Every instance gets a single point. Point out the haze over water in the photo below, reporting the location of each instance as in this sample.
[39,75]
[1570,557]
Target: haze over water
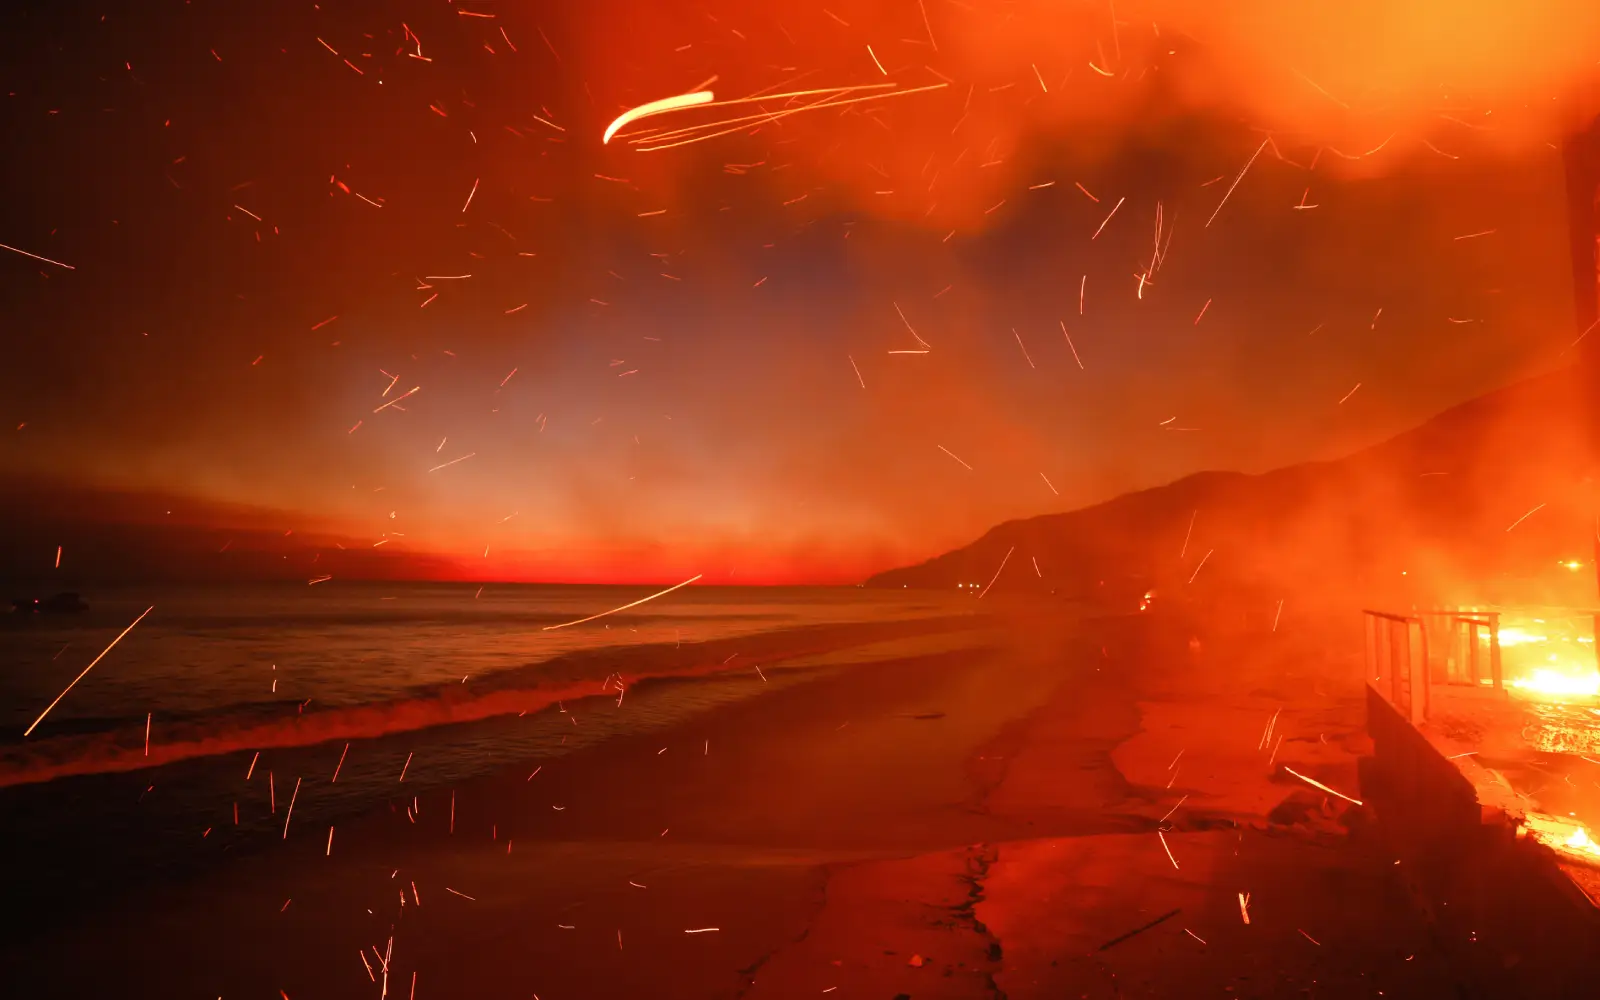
[219,664]
[338,644]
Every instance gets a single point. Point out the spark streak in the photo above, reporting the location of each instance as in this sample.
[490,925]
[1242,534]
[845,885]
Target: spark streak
[1266,734]
[290,815]
[1237,179]
[924,8]
[1512,525]
[1317,784]
[1097,236]
[997,572]
[925,345]
[1070,344]
[953,455]
[625,607]
[1166,848]
[1024,347]
[1587,330]
[397,399]
[90,667]
[656,108]
[453,461]
[834,98]
[35,256]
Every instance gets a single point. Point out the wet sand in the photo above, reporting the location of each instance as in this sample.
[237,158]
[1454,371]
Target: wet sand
[969,823]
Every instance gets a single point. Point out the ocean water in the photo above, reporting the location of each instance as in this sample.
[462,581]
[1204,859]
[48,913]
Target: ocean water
[204,650]
[247,692]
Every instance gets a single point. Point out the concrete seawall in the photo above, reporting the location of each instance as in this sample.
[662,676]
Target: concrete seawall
[1510,912]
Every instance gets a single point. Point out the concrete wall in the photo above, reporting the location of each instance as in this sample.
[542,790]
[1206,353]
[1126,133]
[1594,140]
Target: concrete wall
[1512,922]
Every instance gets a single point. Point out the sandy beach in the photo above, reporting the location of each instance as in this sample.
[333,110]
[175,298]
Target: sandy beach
[979,821]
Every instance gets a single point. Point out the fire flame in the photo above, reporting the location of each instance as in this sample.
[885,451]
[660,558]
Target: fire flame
[1558,683]
[1579,841]
[1544,659]
[1563,835]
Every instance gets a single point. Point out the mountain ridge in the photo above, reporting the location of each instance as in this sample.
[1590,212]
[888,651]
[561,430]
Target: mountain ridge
[1427,514]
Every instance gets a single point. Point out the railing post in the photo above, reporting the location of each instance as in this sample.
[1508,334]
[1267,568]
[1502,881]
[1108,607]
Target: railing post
[1495,667]
[1421,711]
[1453,656]
[1369,650]
[1463,632]
[1475,669]
[1394,662]
[1435,676]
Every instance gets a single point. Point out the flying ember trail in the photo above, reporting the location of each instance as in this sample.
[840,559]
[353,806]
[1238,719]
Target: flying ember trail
[86,670]
[662,106]
[625,607]
[821,97]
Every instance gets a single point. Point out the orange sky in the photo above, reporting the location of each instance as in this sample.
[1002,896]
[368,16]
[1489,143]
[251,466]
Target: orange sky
[648,365]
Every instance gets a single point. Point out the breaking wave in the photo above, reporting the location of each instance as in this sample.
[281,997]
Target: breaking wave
[122,747]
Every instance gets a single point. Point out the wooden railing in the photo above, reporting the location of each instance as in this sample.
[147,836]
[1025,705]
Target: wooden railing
[1407,655]
[1459,644]
[1396,658]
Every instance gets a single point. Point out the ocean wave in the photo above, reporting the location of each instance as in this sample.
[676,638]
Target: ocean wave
[517,691]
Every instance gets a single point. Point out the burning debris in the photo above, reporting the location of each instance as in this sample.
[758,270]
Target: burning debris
[1550,657]
[1568,838]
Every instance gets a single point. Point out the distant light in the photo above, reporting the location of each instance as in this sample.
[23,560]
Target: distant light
[1572,564]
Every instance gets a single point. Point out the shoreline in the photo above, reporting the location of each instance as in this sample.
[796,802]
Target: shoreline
[139,847]
[938,825]
[519,690]
[730,817]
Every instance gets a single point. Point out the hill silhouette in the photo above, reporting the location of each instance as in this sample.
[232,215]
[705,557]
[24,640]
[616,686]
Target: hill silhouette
[1490,501]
